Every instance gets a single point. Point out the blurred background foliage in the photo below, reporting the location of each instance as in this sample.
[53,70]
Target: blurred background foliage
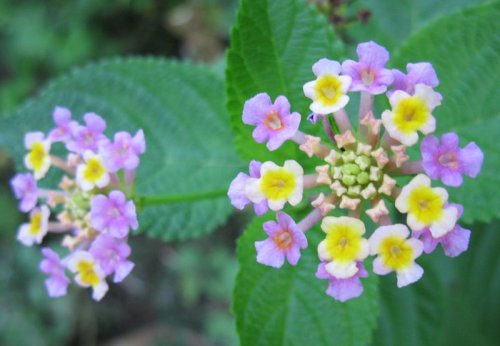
[180,292]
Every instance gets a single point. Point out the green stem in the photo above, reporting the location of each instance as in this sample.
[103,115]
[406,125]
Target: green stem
[144,201]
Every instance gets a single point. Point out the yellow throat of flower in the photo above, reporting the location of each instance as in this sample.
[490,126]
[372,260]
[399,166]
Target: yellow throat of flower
[37,156]
[278,184]
[343,243]
[396,253]
[94,170]
[36,224]
[87,272]
[328,89]
[411,114]
[425,205]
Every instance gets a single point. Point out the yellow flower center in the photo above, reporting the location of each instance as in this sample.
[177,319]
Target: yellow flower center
[278,184]
[273,121]
[329,89]
[410,114]
[425,204]
[343,243]
[396,253]
[36,156]
[283,240]
[87,273]
[36,224]
[94,170]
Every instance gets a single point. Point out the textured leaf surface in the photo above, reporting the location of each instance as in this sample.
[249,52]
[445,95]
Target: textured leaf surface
[273,47]
[181,109]
[289,306]
[463,48]
[455,303]
[413,315]
[393,21]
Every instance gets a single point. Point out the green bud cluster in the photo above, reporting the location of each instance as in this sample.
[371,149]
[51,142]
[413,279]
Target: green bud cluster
[355,173]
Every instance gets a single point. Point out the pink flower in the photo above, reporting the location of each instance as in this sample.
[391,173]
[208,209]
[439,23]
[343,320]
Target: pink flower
[111,254]
[343,289]
[369,73]
[447,161]
[285,240]
[454,242]
[58,282]
[237,193]
[124,151]
[25,189]
[418,73]
[113,214]
[64,125]
[87,137]
[274,122]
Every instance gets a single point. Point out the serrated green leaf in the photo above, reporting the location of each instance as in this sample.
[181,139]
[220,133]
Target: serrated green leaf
[273,47]
[289,306]
[412,315]
[463,48]
[393,21]
[473,307]
[180,106]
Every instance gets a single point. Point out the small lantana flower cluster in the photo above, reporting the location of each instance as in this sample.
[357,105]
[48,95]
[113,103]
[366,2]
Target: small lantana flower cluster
[358,174]
[91,205]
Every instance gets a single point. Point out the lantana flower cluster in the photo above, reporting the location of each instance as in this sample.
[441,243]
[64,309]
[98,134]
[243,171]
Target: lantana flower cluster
[359,174]
[91,206]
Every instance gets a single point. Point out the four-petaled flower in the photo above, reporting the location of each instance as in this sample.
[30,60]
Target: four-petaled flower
[396,253]
[447,161]
[285,240]
[277,185]
[369,73]
[328,91]
[113,214]
[274,122]
[57,282]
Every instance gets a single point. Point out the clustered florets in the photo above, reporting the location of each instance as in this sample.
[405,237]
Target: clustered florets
[92,205]
[359,174]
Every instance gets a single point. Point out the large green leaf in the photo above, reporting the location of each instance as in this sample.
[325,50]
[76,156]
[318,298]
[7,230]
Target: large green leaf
[413,315]
[392,21]
[180,106]
[273,47]
[473,307]
[463,48]
[455,302]
[289,306]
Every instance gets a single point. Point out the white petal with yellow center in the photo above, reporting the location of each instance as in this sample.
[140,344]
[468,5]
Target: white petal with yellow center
[277,185]
[38,157]
[34,231]
[343,245]
[328,91]
[426,206]
[411,113]
[92,173]
[88,273]
[396,253]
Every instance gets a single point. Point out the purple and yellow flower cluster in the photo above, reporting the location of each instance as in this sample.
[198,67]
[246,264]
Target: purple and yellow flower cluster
[91,206]
[359,174]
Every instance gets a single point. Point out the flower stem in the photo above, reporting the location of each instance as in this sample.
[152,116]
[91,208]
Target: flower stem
[342,120]
[310,181]
[144,201]
[328,129]
[310,220]
[365,104]
[413,167]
